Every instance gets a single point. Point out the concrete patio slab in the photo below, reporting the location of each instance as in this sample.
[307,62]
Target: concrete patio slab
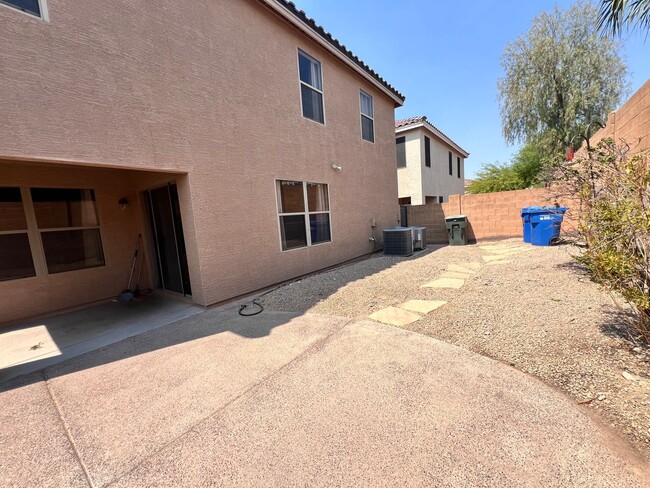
[422,306]
[123,403]
[455,274]
[460,269]
[454,283]
[379,406]
[34,447]
[494,257]
[395,316]
[37,343]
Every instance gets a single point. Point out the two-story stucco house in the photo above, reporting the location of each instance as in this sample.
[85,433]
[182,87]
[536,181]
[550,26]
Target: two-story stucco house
[245,143]
[430,166]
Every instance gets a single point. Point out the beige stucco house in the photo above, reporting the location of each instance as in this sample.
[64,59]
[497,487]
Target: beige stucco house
[430,166]
[244,143]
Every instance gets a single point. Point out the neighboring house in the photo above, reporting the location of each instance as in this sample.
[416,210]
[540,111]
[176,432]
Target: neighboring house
[468,183]
[239,138]
[430,166]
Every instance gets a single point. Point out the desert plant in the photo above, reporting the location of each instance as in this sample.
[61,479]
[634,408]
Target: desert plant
[613,188]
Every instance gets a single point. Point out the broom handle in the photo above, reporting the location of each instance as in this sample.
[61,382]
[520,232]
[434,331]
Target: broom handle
[135,258]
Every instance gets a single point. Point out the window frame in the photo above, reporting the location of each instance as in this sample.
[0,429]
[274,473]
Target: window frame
[51,230]
[451,164]
[400,140]
[25,231]
[301,83]
[42,6]
[362,115]
[427,151]
[307,213]
[33,231]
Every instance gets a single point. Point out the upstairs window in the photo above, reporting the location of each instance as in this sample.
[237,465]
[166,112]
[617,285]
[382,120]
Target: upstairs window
[367,117]
[427,152]
[458,164]
[304,212]
[451,164]
[401,152]
[311,88]
[32,7]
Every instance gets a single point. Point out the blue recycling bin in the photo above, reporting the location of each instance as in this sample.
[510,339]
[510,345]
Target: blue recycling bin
[525,221]
[545,225]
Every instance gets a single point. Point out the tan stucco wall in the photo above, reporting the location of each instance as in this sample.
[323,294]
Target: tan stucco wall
[631,122]
[419,181]
[210,89]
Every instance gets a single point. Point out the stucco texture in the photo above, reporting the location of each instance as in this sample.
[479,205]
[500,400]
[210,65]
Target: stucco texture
[208,90]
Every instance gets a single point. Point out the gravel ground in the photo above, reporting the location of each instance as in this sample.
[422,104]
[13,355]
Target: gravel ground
[539,312]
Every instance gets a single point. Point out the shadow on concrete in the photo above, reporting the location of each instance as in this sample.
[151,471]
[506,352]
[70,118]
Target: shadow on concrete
[113,331]
[198,326]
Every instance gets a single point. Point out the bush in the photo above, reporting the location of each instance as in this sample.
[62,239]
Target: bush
[614,223]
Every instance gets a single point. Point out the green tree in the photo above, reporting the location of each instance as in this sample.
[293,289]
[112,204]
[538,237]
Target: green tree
[616,14]
[522,172]
[560,77]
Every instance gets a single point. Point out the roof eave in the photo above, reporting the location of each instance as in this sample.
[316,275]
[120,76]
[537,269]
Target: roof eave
[296,22]
[440,135]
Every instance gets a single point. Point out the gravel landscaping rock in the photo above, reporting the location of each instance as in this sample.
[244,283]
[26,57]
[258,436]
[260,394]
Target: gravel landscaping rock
[537,311]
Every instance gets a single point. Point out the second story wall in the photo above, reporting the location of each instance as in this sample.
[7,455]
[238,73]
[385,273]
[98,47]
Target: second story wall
[437,180]
[171,85]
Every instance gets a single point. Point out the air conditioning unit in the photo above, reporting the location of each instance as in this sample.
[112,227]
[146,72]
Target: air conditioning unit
[398,241]
[419,238]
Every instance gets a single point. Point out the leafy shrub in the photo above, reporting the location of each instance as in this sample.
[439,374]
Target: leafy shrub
[614,192]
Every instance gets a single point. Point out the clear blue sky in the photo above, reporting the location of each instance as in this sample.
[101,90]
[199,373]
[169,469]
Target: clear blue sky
[445,58]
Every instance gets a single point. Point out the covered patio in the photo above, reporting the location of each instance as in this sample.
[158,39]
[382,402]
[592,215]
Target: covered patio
[68,235]
[37,343]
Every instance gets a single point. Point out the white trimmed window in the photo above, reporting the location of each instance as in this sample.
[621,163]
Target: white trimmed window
[311,87]
[367,117]
[304,213]
[36,8]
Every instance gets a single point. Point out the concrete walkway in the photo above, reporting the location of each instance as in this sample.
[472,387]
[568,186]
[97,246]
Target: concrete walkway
[285,400]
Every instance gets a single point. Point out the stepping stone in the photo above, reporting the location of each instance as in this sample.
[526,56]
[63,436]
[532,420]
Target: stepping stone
[422,306]
[512,250]
[501,261]
[395,316]
[445,283]
[454,274]
[472,265]
[493,258]
[459,269]
[496,247]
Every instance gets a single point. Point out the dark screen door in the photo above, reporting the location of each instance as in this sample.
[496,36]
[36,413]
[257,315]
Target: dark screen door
[167,230]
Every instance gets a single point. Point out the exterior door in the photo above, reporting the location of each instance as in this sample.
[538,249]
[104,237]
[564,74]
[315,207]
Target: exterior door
[169,245]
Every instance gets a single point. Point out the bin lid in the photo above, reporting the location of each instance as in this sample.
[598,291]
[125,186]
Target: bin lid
[546,210]
[456,217]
